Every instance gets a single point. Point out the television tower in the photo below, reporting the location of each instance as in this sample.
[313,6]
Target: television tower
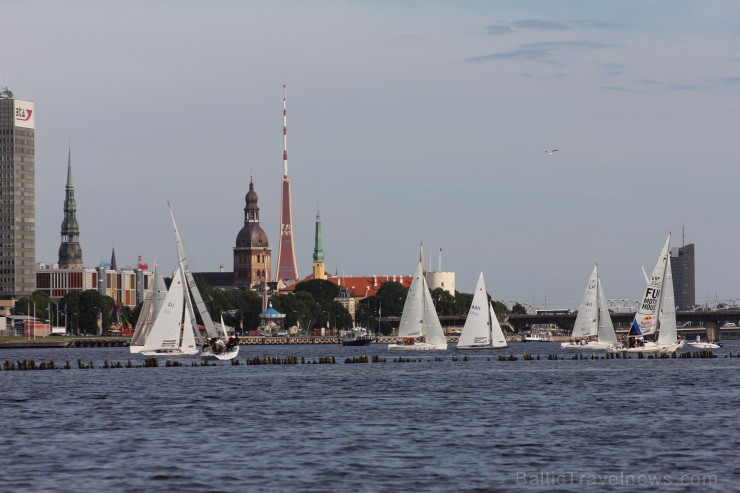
[286,265]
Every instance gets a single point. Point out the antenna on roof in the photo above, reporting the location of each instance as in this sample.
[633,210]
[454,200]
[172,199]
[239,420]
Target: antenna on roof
[440,260]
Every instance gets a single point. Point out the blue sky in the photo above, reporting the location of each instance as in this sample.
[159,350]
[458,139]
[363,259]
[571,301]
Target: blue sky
[407,121]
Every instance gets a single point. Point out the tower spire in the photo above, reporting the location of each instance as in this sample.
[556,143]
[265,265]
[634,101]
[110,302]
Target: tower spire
[70,251]
[285,135]
[318,251]
[287,269]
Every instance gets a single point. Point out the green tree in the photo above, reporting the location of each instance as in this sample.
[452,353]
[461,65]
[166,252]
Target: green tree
[390,297]
[322,291]
[37,303]
[518,309]
[444,302]
[338,316]
[462,302]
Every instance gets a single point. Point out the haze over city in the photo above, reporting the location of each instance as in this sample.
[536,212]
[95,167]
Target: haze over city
[407,121]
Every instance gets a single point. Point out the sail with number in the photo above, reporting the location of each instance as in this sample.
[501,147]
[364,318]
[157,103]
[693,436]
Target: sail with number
[481,329]
[586,324]
[193,289]
[646,318]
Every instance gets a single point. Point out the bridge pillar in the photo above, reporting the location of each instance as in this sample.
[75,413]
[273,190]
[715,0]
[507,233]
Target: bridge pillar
[712,331]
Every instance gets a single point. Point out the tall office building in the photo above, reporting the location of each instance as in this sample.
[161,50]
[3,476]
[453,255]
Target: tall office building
[17,196]
[684,287]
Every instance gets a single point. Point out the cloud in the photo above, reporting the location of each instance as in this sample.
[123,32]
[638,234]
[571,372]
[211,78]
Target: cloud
[590,23]
[616,89]
[541,52]
[671,86]
[541,25]
[730,80]
[497,29]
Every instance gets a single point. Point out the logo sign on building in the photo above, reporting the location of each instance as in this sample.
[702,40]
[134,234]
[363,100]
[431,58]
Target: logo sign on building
[24,114]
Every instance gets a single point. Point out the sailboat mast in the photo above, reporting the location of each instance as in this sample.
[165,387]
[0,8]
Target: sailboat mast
[190,282]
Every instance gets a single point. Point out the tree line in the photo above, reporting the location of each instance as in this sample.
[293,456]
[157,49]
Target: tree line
[312,304]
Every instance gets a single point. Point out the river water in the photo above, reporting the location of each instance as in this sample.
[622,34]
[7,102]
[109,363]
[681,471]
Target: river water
[476,425]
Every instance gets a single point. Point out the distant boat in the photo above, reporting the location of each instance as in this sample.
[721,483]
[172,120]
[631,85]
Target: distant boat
[593,319]
[356,336]
[538,335]
[656,313]
[481,330]
[699,344]
[218,346]
[171,334]
[153,300]
[419,329]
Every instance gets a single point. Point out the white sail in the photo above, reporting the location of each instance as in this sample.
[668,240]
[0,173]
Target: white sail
[412,317]
[477,329]
[188,345]
[159,290]
[431,327]
[606,332]
[497,335]
[646,317]
[144,324]
[165,333]
[587,320]
[667,332]
[419,320]
[185,266]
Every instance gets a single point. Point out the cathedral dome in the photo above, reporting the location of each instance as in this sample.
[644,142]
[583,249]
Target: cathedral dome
[252,235]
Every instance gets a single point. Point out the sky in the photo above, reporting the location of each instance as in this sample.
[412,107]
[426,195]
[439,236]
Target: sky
[408,121]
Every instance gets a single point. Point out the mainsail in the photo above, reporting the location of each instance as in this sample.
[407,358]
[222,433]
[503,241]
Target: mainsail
[192,288]
[587,324]
[646,318]
[667,332]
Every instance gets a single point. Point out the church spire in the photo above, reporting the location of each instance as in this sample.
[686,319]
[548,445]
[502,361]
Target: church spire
[318,252]
[70,252]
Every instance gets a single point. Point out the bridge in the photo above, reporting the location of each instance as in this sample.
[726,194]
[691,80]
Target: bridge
[688,321]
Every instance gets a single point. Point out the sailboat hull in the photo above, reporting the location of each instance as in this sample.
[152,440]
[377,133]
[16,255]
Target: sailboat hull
[466,348]
[418,346]
[704,345]
[591,345]
[168,352]
[209,355]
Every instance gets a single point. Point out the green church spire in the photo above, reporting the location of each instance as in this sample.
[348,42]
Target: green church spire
[318,251]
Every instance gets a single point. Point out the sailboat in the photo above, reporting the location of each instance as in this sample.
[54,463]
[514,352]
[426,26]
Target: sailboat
[657,312]
[153,300]
[481,330]
[216,348]
[593,319]
[169,334]
[419,329]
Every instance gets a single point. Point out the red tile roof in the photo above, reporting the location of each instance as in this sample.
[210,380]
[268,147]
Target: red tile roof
[359,286]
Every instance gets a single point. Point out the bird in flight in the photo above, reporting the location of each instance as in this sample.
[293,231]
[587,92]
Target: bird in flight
[551,152]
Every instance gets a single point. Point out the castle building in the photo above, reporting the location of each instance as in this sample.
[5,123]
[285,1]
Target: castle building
[252,253]
[17,196]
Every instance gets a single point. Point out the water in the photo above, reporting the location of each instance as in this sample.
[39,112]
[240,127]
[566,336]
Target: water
[477,425]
